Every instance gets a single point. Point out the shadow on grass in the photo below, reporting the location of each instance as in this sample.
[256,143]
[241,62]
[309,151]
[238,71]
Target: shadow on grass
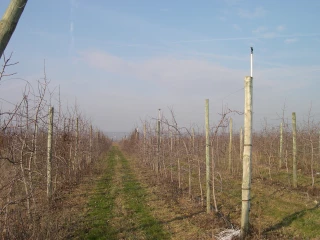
[145,226]
[285,222]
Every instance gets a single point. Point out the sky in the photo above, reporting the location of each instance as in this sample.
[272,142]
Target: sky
[123,60]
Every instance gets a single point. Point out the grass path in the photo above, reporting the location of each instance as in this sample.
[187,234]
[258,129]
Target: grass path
[118,207]
[127,201]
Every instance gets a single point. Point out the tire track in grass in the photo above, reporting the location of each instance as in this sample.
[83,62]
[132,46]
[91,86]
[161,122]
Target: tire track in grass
[118,207]
[98,221]
[127,227]
[136,201]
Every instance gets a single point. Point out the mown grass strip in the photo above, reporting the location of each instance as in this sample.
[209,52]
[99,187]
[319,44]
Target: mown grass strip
[136,200]
[101,204]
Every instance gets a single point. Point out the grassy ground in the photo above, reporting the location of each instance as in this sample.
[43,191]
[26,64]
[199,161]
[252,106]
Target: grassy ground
[130,202]
[117,207]
[277,212]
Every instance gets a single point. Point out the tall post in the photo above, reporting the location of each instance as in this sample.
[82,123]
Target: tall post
[10,21]
[294,150]
[158,141]
[241,142]
[319,144]
[71,159]
[207,154]
[171,140]
[247,151]
[49,154]
[281,144]
[90,144]
[171,155]
[230,146]
[193,140]
[76,162]
[144,142]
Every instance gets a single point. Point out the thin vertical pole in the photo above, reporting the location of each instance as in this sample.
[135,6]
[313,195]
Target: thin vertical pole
[281,144]
[251,62]
[49,154]
[90,143]
[171,141]
[207,154]
[319,144]
[144,142]
[247,151]
[294,150]
[158,141]
[171,155]
[76,145]
[179,173]
[230,146]
[241,142]
[193,150]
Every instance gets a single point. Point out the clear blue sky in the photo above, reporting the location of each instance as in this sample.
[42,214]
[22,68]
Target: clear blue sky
[122,60]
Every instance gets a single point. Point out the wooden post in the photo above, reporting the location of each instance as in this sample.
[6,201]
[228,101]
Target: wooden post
[91,144]
[137,134]
[319,144]
[171,141]
[193,150]
[10,21]
[179,173]
[158,142]
[294,150]
[230,146]
[281,144]
[49,154]
[241,142]
[76,162]
[71,159]
[207,154]
[144,142]
[247,151]
[171,155]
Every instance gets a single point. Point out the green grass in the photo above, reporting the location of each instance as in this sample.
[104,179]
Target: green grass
[98,221]
[101,205]
[301,223]
[136,200]
[276,208]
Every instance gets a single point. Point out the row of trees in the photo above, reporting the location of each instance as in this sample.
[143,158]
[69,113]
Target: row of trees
[42,152]
[178,153]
